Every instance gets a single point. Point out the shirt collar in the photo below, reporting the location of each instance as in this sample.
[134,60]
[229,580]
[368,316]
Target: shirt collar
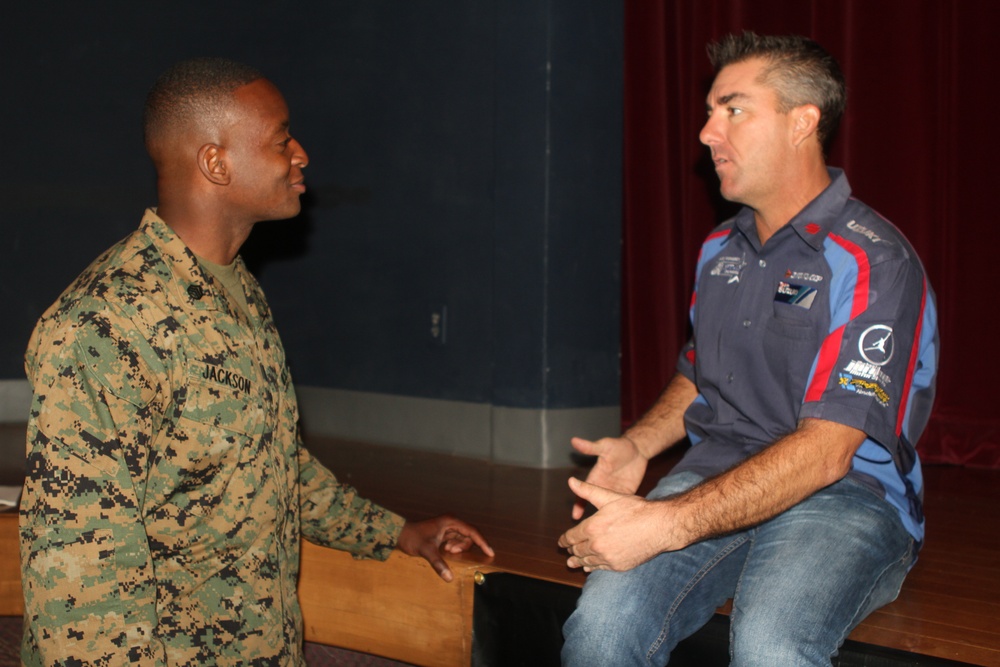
[813,223]
[194,286]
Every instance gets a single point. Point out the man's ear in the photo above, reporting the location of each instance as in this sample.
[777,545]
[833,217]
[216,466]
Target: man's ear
[212,164]
[806,121]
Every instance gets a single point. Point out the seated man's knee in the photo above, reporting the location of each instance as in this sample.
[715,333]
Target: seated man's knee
[764,642]
[603,630]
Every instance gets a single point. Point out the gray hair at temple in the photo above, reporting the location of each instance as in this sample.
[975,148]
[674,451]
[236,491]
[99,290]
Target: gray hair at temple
[798,69]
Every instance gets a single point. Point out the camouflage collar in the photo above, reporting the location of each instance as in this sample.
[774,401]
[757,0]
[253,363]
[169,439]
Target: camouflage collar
[194,286]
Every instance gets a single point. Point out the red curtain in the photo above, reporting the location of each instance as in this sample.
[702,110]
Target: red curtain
[919,143]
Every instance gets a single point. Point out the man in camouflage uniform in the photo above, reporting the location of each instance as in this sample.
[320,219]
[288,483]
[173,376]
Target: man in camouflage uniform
[167,486]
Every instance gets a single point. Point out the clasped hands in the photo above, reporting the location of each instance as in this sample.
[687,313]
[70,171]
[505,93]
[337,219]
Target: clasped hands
[626,530]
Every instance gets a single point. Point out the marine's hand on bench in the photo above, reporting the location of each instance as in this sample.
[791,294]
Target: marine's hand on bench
[428,538]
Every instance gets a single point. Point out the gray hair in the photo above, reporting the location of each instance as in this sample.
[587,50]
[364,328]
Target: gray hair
[798,69]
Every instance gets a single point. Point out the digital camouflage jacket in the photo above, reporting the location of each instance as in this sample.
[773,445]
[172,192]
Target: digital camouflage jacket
[167,486]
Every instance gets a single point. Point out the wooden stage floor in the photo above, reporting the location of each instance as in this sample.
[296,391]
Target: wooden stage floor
[949,606]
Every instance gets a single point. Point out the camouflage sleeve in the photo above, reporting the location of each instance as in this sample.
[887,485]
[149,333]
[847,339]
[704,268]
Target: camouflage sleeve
[334,515]
[88,579]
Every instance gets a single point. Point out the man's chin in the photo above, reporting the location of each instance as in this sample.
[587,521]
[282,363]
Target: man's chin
[287,214]
[730,192]
[730,195]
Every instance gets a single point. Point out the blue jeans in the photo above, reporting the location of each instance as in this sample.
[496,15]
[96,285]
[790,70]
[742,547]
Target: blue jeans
[799,583]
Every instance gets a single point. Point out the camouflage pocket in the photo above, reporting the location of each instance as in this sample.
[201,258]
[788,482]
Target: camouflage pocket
[207,443]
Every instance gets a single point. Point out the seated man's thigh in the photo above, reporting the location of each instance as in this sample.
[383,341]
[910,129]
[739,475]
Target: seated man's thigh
[813,573]
[637,617]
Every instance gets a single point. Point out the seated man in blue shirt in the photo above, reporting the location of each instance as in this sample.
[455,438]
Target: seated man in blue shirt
[808,379]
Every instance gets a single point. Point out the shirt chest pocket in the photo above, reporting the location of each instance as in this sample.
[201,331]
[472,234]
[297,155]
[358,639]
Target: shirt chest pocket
[791,324]
[798,315]
[214,441]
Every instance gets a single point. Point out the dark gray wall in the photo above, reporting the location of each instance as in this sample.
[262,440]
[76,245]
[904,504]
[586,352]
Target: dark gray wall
[464,154]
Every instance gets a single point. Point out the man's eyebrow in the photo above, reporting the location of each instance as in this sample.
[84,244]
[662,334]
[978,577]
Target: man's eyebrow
[726,99]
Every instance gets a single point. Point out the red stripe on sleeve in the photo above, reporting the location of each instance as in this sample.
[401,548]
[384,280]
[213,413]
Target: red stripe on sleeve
[911,367]
[829,352]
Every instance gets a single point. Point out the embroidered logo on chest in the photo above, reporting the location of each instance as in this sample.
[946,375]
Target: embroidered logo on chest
[803,276]
[728,267]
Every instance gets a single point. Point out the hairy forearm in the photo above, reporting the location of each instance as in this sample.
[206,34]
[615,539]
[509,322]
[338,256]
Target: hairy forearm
[816,455]
[662,426]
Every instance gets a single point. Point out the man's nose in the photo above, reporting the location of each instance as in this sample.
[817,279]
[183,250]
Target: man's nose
[299,157]
[709,134]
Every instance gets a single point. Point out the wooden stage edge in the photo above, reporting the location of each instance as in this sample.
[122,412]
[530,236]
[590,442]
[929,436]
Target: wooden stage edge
[948,607]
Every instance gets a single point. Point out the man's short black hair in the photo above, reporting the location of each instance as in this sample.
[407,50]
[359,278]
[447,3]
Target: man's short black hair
[193,90]
[797,68]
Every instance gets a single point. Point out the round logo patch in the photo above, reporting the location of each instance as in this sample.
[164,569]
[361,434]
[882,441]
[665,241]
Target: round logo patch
[877,344]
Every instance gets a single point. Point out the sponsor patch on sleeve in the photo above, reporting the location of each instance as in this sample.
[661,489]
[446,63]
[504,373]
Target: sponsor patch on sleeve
[864,387]
[867,379]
